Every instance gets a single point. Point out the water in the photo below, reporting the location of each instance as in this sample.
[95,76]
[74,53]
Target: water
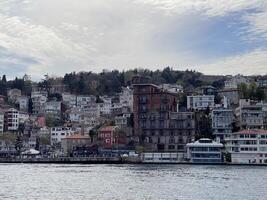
[182,182]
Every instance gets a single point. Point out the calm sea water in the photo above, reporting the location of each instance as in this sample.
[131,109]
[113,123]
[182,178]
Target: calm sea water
[49,182]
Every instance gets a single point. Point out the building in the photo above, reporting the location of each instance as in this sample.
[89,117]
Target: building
[23,117]
[151,108]
[69,100]
[2,122]
[23,102]
[200,102]
[204,151]
[231,94]
[222,122]
[12,119]
[53,109]
[233,82]
[209,90]
[108,136]
[126,98]
[83,101]
[39,99]
[58,133]
[249,114]
[173,88]
[69,143]
[13,94]
[247,146]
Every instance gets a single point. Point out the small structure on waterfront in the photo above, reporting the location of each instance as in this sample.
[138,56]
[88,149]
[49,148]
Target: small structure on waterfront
[204,151]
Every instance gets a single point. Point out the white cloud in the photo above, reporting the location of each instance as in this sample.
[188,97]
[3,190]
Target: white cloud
[66,35]
[254,63]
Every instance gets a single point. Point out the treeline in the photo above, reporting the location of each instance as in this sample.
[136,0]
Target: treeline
[111,82]
[20,83]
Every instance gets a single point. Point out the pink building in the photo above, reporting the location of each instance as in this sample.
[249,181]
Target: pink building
[108,136]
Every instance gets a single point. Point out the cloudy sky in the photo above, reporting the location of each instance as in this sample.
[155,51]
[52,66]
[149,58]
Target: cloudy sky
[59,36]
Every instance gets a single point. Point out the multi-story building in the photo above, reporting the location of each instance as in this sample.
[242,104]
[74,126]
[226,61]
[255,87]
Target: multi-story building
[38,102]
[157,124]
[173,88]
[200,102]
[83,101]
[58,133]
[2,122]
[23,117]
[204,151]
[69,100]
[247,146]
[12,119]
[222,122]
[126,97]
[53,109]
[249,114]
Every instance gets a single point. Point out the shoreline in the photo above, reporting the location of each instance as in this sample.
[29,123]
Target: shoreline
[121,162]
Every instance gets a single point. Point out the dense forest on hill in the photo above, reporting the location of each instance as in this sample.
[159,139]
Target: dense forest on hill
[111,82]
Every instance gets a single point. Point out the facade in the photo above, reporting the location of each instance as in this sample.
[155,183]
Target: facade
[53,109]
[173,88]
[204,151]
[83,101]
[231,94]
[233,82]
[69,100]
[249,114]
[12,119]
[39,99]
[23,117]
[126,98]
[58,133]
[73,141]
[222,122]
[2,122]
[209,90]
[108,136]
[151,109]
[200,102]
[23,102]
[247,146]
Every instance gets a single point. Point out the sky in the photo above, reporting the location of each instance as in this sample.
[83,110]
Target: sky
[55,37]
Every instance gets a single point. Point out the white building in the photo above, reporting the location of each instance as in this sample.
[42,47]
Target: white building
[53,108]
[200,102]
[247,146]
[104,108]
[204,151]
[222,122]
[235,81]
[69,100]
[12,119]
[2,121]
[83,101]
[23,102]
[126,97]
[23,117]
[57,133]
[173,88]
